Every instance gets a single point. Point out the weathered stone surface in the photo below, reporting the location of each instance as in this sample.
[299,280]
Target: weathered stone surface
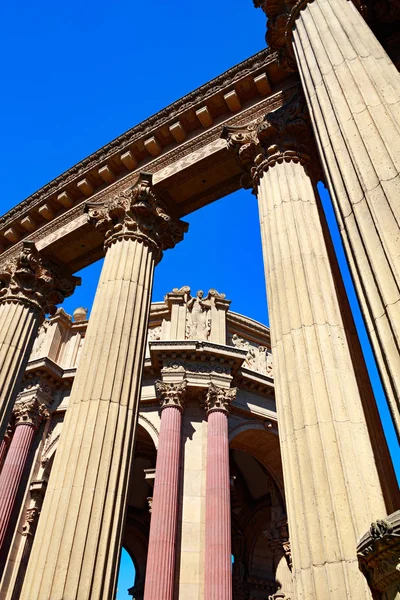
[353,92]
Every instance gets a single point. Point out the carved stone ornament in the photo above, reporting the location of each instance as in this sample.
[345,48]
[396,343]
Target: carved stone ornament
[378,555]
[278,538]
[31,519]
[219,399]
[172,394]
[31,279]
[199,321]
[281,16]
[284,135]
[137,213]
[30,412]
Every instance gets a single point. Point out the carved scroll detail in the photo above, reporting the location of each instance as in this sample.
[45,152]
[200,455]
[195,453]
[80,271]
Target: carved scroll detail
[219,399]
[172,394]
[137,213]
[30,279]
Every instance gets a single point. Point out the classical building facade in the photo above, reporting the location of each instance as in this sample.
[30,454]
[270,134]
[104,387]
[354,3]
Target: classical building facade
[183,440]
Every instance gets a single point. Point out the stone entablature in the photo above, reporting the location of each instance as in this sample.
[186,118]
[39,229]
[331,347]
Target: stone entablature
[155,144]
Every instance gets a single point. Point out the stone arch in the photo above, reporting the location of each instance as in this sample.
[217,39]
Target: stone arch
[261,443]
[149,428]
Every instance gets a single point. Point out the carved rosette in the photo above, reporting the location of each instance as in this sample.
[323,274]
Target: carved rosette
[30,412]
[219,399]
[284,135]
[172,394]
[378,555]
[30,279]
[137,213]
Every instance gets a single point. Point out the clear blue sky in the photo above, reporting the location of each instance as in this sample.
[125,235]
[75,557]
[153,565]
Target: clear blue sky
[77,74]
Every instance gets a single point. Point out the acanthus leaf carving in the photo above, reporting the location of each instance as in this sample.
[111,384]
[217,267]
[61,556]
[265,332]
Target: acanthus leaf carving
[33,280]
[219,399]
[30,412]
[172,394]
[283,135]
[281,15]
[137,213]
[378,554]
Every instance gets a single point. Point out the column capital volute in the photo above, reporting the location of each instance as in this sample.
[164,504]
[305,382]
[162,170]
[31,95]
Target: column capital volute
[172,394]
[30,411]
[137,213]
[378,553]
[281,16]
[31,279]
[283,135]
[219,399]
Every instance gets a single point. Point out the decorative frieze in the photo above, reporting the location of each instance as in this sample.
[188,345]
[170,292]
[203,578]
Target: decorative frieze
[171,394]
[219,399]
[30,279]
[136,213]
[258,358]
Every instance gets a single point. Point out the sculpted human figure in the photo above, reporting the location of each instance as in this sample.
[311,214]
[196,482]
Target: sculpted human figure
[199,327]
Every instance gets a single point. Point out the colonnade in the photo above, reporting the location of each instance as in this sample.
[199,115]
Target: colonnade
[336,477]
[160,570]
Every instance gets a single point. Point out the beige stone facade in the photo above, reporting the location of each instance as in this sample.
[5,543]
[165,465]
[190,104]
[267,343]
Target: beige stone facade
[181,430]
[238,355]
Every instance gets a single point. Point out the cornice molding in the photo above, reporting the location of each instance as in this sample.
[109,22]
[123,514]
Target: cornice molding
[120,144]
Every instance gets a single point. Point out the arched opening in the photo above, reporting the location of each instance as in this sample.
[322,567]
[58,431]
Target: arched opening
[136,538]
[126,575]
[259,530]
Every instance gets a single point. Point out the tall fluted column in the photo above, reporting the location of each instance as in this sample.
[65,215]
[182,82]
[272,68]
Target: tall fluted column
[332,486]
[30,286]
[353,93]
[81,523]
[161,555]
[28,415]
[218,550]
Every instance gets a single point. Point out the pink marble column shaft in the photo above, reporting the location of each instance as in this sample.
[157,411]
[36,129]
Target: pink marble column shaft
[11,473]
[3,450]
[160,570]
[218,563]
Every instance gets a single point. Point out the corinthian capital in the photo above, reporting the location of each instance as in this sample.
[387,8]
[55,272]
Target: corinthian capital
[31,279]
[281,15]
[30,412]
[172,394]
[282,135]
[137,213]
[219,399]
